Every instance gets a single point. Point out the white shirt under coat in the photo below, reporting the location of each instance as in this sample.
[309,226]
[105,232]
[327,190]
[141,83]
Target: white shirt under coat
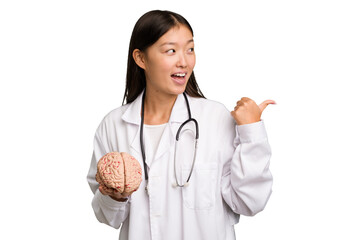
[231,174]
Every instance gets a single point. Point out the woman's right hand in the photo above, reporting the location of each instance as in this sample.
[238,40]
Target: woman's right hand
[121,197]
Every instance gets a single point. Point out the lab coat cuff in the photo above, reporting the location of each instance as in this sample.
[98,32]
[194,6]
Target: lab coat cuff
[252,132]
[109,202]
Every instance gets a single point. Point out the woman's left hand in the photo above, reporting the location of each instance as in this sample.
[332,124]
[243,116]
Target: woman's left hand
[247,111]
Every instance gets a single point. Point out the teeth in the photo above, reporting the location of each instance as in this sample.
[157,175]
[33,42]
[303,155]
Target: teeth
[179,74]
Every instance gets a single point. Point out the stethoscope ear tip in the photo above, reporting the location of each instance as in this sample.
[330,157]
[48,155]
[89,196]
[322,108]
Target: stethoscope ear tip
[174,185]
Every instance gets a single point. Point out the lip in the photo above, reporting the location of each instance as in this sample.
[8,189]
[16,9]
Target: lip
[179,72]
[179,81]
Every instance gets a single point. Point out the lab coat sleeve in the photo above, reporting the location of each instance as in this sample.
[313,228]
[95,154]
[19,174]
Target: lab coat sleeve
[106,210]
[246,183]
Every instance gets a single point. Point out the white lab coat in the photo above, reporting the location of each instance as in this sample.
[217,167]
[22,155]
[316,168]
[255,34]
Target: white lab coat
[231,174]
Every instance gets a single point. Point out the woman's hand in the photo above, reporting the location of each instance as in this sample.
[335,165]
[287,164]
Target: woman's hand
[121,197]
[247,111]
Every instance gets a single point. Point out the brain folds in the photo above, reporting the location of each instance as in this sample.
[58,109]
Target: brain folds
[120,172]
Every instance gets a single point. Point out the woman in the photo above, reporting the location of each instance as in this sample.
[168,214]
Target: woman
[187,192]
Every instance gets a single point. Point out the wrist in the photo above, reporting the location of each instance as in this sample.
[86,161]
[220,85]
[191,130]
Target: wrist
[119,199]
[249,122]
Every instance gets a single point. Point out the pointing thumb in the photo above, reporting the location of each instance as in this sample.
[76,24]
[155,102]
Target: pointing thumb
[265,103]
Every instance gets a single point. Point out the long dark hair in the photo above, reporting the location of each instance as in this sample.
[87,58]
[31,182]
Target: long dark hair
[147,30]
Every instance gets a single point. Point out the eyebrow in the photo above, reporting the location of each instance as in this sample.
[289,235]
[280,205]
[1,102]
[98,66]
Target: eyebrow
[174,43]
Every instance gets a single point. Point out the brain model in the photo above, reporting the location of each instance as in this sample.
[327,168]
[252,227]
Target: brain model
[118,172]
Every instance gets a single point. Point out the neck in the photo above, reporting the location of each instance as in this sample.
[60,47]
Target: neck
[158,107]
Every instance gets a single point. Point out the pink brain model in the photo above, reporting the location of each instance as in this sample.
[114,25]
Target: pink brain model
[119,171]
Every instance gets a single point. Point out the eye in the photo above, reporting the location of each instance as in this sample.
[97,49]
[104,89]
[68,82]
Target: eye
[191,50]
[170,51]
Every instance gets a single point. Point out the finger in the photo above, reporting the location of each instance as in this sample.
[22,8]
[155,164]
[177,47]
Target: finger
[240,104]
[243,100]
[117,194]
[265,103]
[125,195]
[101,189]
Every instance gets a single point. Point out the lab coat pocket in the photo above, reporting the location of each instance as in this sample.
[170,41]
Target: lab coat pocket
[200,193]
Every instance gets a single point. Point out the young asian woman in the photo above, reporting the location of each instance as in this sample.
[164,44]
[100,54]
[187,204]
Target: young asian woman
[199,177]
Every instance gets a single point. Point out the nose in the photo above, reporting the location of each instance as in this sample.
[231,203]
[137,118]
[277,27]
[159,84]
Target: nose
[181,61]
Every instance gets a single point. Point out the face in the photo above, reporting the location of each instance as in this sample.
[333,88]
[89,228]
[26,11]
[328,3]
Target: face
[169,62]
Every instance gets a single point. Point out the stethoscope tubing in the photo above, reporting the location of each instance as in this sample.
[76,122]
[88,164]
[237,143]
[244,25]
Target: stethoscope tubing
[177,139]
[192,165]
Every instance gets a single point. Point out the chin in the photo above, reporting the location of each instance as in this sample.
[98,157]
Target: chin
[178,90]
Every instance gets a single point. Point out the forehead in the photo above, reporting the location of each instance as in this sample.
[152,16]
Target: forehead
[177,35]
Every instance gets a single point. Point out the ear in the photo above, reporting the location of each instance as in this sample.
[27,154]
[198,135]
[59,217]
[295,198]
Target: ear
[139,58]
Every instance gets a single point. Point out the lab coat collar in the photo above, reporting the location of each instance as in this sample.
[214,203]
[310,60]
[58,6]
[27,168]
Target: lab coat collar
[178,113]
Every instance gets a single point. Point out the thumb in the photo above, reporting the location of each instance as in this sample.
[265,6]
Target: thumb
[265,103]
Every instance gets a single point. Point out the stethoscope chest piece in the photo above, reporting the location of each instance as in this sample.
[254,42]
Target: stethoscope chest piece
[174,185]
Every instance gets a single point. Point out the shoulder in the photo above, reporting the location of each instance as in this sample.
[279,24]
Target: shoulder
[115,114]
[213,115]
[112,118]
[209,105]
[211,109]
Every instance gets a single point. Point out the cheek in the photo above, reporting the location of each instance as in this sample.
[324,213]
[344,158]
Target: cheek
[167,64]
[153,68]
[161,65]
[192,61]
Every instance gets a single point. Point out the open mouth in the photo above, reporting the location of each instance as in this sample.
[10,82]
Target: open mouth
[178,75]
[179,78]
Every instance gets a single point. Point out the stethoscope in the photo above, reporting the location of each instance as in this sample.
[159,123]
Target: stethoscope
[190,119]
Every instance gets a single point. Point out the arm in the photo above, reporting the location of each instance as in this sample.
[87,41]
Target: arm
[106,209]
[246,182]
